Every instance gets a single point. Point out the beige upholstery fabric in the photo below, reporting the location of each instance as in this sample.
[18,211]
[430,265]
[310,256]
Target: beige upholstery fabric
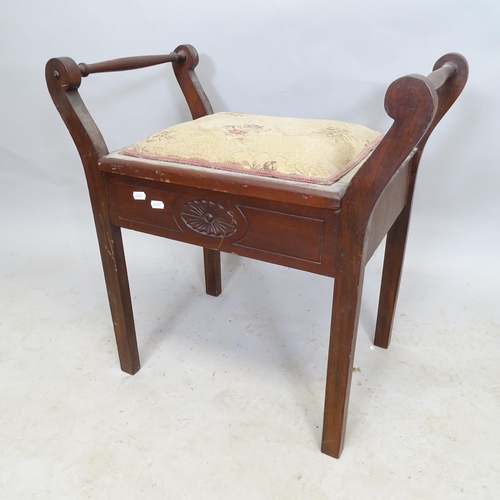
[314,151]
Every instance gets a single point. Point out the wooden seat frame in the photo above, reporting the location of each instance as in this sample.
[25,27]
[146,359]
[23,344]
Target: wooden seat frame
[325,231]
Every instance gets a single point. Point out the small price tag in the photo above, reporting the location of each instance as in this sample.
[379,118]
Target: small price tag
[139,195]
[157,204]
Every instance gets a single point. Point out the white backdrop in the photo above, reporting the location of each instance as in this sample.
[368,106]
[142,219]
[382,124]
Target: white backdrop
[315,58]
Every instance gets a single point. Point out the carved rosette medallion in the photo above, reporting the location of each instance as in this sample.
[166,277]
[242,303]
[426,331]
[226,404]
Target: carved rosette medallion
[209,218]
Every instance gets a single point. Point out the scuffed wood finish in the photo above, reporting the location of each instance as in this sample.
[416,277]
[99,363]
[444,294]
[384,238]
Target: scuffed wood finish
[280,233]
[325,231]
[216,180]
[63,79]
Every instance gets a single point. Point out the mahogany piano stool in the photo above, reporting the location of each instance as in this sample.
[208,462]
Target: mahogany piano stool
[315,195]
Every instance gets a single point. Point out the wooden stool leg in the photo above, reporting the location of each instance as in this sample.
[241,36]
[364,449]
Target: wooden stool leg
[213,281]
[345,314]
[115,274]
[391,278]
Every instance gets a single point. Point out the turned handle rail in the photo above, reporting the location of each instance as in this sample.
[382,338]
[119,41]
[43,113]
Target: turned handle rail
[128,63]
[439,76]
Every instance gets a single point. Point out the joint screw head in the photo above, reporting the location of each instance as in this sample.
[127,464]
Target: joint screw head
[56,74]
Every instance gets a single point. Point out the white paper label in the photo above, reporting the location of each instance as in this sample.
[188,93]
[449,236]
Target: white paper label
[157,204]
[139,195]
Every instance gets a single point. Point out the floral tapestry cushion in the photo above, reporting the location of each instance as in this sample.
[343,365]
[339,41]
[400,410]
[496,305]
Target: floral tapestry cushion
[313,151]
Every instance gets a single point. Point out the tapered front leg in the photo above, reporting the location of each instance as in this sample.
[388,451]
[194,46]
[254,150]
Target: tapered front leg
[213,280]
[115,274]
[345,314]
[391,277]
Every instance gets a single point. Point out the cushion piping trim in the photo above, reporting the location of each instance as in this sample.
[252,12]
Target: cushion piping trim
[233,167]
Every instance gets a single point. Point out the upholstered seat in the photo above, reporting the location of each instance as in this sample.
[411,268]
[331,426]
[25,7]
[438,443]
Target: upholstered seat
[315,195]
[312,151]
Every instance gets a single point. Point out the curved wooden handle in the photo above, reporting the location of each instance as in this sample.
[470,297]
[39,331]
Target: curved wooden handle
[128,63]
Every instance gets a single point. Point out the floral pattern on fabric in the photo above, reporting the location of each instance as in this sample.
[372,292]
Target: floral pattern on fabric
[313,151]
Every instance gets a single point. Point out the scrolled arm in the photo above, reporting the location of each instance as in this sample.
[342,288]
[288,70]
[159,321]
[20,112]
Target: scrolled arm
[416,104]
[64,78]
[197,100]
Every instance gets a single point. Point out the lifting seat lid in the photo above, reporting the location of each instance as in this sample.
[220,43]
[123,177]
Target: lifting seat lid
[293,149]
